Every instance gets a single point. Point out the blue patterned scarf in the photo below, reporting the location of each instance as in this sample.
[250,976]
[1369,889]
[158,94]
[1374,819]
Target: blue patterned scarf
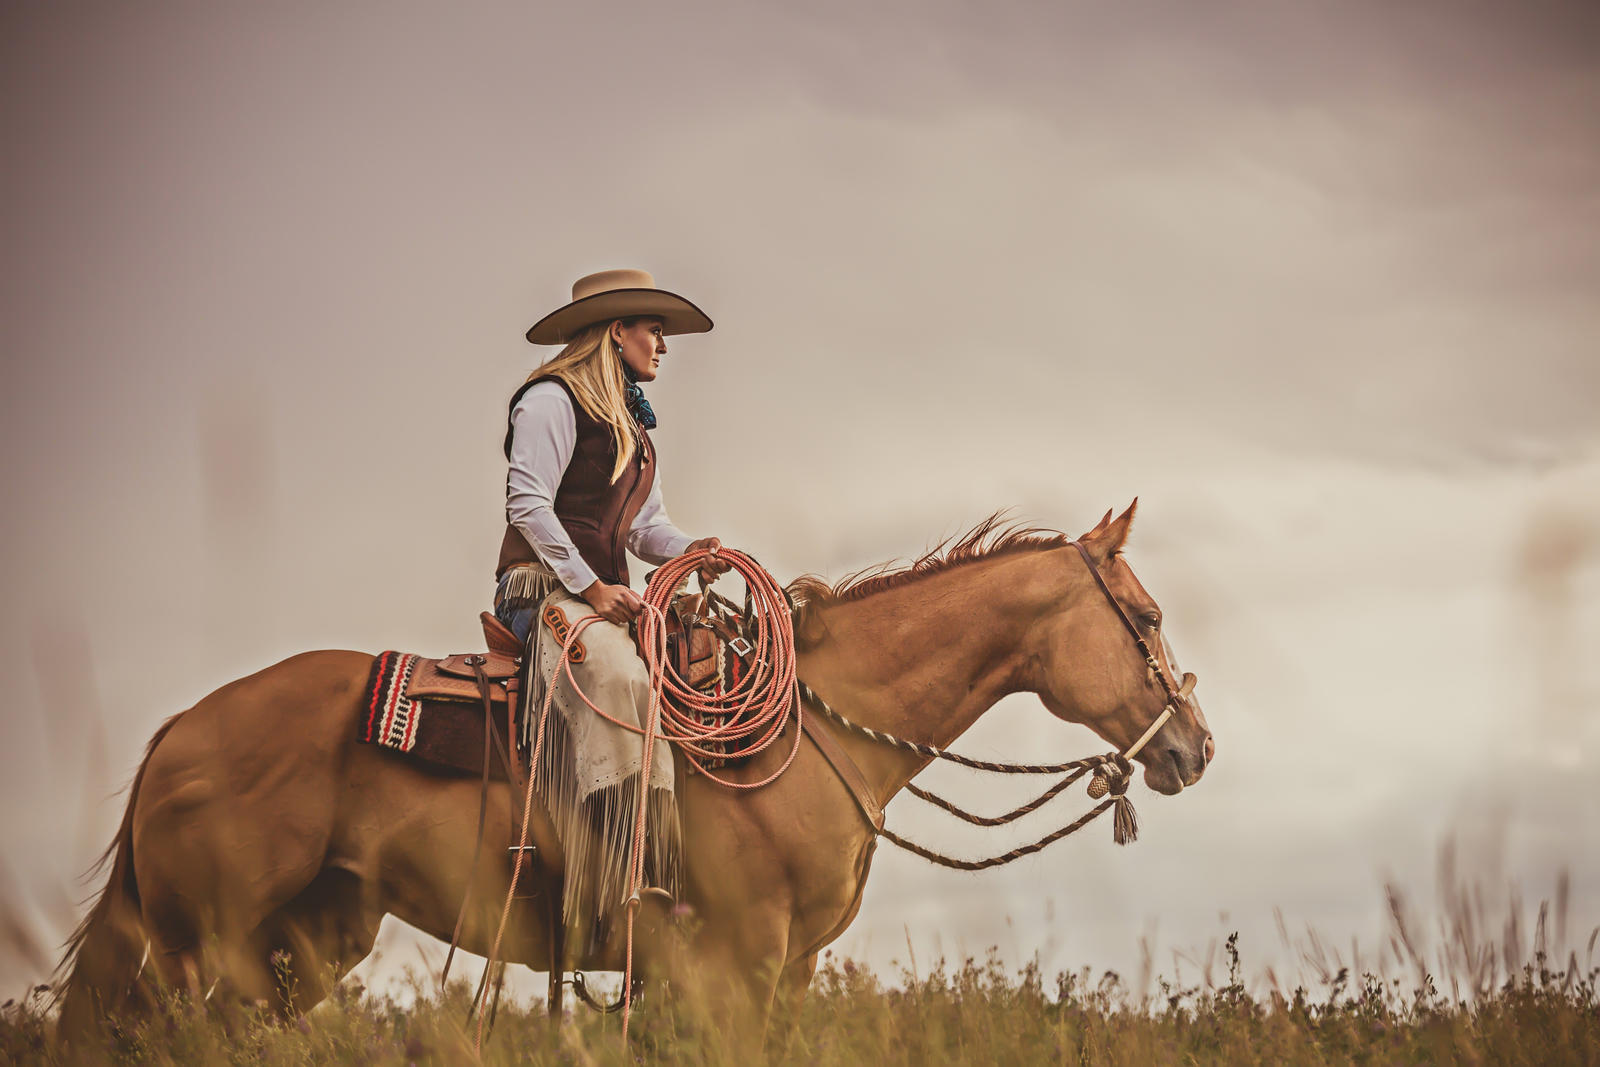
[638,406]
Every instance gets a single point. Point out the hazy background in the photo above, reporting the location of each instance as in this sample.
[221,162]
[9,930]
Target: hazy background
[1317,282]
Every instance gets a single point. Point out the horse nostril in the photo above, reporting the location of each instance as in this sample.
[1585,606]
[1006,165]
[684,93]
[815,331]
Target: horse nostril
[1209,750]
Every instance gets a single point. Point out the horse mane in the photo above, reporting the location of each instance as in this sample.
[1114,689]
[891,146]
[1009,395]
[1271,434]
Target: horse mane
[990,539]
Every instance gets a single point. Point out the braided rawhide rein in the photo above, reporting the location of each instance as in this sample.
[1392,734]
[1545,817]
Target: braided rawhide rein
[1023,850]
[936,753]
[1112,775]
[998,820]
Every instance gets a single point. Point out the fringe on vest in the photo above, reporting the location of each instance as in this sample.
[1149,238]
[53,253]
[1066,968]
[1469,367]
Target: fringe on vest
[526,585]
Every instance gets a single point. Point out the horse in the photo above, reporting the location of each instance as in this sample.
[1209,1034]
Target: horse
[262,844]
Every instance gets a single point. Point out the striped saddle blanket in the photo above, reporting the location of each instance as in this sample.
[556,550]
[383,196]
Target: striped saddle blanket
[432,709]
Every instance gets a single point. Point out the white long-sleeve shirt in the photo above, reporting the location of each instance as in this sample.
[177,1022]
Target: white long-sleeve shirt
[544,434]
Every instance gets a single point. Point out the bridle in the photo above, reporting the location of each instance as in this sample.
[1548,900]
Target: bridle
[1112,772]
[1175,696]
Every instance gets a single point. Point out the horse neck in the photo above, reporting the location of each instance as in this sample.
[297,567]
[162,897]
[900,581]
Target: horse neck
[925,660]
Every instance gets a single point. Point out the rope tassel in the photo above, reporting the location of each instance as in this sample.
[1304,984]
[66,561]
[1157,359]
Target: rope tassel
[1118,775]
[1126,824]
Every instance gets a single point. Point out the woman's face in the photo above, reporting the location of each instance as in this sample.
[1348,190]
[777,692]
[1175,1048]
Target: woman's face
[642,346]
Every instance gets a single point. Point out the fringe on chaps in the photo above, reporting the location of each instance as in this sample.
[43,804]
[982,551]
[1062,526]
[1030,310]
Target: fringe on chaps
[596,828]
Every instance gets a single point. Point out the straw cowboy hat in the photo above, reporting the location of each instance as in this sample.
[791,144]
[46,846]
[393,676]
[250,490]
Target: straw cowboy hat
[617,294]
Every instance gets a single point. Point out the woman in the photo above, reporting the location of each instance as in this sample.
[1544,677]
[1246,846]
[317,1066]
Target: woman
[581,491]
[583,484]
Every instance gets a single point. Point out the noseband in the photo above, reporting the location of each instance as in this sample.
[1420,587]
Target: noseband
[1174,696]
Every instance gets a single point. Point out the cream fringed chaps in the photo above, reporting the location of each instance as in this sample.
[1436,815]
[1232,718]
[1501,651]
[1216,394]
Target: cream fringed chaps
[589,772]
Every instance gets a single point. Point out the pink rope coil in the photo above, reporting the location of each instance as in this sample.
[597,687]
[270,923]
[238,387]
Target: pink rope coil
[752,715]
[758,707]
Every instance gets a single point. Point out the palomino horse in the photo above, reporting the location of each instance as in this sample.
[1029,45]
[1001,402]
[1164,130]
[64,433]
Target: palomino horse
[258,826]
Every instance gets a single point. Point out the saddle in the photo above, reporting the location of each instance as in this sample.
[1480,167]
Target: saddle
[702,629]
[457,677]
[709,648]
[433,709]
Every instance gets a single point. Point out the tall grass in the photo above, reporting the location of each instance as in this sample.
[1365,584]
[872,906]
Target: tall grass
[974,1012]
[1481,993]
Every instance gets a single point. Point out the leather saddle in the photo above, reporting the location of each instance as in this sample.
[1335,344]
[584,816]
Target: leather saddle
[708,645]
[457,677]
[706,642]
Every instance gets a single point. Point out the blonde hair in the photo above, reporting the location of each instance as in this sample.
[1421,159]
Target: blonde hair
[593,371]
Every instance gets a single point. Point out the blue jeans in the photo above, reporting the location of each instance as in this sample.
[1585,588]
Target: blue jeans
[519,620]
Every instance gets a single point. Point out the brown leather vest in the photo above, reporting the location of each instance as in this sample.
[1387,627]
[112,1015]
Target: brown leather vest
[595,511]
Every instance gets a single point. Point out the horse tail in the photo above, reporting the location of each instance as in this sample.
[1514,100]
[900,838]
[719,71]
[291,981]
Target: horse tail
[105,955]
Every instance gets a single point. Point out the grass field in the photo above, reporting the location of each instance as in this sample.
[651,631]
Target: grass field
[973,1012]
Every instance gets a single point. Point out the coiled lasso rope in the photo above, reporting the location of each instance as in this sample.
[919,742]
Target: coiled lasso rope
[758,707]
[750,716]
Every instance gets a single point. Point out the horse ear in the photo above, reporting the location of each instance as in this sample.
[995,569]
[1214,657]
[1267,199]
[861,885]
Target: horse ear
[1107,539]
[1099,527]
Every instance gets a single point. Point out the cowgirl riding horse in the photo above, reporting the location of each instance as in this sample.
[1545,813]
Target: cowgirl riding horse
[583,489]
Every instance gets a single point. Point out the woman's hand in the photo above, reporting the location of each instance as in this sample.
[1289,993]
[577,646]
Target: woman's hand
[613,603]
[710,568]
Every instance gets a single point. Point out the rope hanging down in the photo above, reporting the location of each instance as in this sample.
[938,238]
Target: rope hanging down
[759,707]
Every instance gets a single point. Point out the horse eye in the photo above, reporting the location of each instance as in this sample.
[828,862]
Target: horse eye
[1152,620]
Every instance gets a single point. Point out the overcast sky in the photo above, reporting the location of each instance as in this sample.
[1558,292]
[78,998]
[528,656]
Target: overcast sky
[1318,283]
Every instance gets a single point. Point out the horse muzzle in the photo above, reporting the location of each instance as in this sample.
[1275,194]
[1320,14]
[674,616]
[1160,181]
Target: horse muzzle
[1177,754]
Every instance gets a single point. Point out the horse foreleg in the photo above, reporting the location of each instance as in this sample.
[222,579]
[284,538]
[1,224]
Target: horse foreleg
[790,995]
[732,980]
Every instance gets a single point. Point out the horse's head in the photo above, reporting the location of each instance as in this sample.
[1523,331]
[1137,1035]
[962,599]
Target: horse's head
[1094,673]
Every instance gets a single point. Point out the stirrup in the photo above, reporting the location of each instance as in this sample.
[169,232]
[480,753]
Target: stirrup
[655,893]
[594,1003]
